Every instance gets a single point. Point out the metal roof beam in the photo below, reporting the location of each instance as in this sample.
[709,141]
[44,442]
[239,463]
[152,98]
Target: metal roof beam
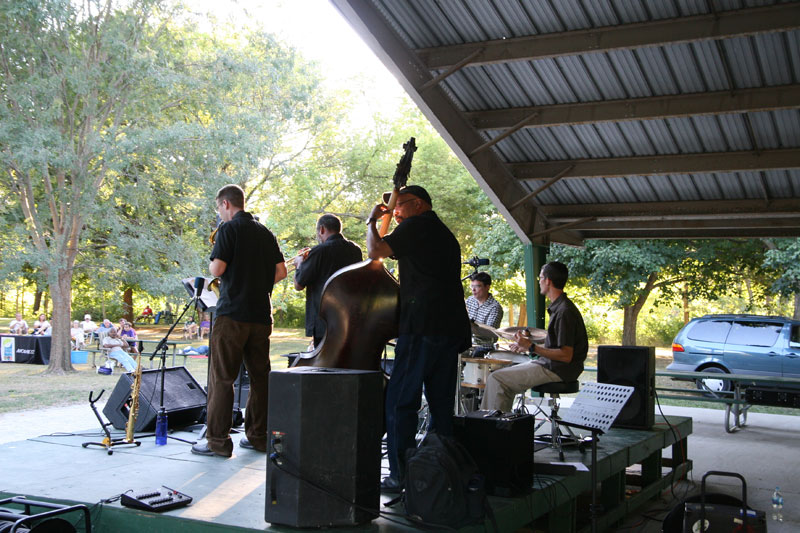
[727,24]
[740,208]
[682,233]
[486,167]
[715,103]
[591,224]
[661,164]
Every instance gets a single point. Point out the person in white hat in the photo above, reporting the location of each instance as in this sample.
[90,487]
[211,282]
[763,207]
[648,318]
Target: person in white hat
[88,326]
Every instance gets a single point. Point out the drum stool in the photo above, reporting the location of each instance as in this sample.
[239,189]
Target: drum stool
[556,438]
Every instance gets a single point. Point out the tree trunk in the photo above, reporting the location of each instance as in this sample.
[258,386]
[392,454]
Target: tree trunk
[510,314]
[685,303]
[796,306]
[631,312]
[61,294]
[523,316]
[37,301]
[127,304]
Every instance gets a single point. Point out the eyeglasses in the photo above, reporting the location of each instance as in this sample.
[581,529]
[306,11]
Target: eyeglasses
[398,204]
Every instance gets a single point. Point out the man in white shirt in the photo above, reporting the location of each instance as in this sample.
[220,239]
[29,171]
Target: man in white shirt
[88,326]
[18,326]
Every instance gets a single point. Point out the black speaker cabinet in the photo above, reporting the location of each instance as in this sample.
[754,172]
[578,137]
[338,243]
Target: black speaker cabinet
[184,399]
[634,366]
[325,427]
[502,446]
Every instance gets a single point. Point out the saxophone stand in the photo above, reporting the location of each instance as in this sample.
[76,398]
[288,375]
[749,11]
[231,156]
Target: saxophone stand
[108,443]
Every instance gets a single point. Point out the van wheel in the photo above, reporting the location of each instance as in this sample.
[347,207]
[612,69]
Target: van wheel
[714,385]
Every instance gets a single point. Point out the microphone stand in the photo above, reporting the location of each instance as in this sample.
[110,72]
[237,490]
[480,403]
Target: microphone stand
[161,418]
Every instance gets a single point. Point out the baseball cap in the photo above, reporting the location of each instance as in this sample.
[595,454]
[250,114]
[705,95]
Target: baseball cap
[414,190]
[87,317]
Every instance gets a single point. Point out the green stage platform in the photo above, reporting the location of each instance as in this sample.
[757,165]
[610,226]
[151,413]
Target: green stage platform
[229,495]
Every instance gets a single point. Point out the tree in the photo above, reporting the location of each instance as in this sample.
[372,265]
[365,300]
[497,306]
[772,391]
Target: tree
[630,271]
[118,122]
[783,257]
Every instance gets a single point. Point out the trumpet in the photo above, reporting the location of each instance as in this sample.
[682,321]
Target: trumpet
[290,263]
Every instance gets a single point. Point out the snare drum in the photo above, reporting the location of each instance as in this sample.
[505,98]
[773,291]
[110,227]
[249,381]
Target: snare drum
[477,370]
[505,355]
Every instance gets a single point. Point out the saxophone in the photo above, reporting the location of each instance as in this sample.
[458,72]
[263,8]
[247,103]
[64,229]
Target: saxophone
[134,407]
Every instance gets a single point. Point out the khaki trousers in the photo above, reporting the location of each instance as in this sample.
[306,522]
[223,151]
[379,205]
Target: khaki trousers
[505,383]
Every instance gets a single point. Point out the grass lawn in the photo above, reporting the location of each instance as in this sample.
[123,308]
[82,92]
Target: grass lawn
[25,387]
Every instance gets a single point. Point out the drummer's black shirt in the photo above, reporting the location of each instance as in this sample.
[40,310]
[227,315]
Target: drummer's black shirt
[566,328]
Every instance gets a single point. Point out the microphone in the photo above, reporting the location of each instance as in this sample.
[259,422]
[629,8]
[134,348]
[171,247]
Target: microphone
[476,262]
[198,286]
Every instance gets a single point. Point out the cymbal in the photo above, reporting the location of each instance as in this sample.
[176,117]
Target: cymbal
[484,330]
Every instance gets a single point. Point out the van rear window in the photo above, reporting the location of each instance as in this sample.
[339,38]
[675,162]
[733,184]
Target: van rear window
[710,331]
[754,333]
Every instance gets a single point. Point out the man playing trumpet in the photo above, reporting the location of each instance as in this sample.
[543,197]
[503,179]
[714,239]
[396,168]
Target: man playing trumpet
[314,266]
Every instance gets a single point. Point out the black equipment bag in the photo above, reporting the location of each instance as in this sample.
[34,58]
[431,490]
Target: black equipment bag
[443,485]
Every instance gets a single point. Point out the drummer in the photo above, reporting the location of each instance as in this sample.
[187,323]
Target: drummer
[482,308]
[561,356]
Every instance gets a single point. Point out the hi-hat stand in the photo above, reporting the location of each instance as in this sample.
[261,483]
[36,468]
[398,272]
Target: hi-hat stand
[595,408]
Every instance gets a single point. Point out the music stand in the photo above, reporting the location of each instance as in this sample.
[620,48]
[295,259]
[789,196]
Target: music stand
[595,408]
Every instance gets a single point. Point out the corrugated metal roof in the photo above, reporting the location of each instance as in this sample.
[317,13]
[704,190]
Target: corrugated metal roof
[635,70]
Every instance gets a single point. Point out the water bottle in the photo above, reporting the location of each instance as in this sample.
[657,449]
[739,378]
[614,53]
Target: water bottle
[777,505]
[161,428]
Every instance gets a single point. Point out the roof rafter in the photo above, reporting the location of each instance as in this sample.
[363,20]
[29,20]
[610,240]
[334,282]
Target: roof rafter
[727,24]
[739,208]
[660,164]
[720,102]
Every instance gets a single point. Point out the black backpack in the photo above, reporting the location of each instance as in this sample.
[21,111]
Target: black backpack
[443,485]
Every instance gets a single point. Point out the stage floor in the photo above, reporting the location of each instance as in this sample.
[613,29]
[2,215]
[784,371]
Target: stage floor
[229,494]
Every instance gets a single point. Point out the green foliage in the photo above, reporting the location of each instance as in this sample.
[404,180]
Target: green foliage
[783,258]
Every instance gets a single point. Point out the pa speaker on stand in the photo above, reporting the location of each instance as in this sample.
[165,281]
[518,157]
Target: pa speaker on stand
[634,366]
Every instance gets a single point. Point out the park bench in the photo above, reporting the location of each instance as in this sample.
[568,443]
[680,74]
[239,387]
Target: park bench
[736,401]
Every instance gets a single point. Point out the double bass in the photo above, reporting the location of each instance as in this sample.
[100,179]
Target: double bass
[360,303]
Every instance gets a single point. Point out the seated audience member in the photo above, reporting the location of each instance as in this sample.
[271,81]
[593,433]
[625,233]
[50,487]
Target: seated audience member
[205,327]
[105,327]
[482,308]
[147,313]
[126,330]
[88,326]
[76,334]
[118,350]
[41,326]
[18,326]
[190,329]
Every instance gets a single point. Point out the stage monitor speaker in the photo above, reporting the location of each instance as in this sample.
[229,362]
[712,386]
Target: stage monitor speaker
[325,438]
[502,447]
[184,399]
[634,366]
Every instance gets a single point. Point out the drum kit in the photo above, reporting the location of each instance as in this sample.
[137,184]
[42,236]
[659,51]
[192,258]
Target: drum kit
[477,363]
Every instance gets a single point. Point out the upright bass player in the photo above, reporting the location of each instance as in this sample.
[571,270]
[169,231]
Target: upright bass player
[433,327]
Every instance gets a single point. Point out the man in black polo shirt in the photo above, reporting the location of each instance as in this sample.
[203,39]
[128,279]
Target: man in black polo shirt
[248,261]
[559,359]
[315,267]
[433,327]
